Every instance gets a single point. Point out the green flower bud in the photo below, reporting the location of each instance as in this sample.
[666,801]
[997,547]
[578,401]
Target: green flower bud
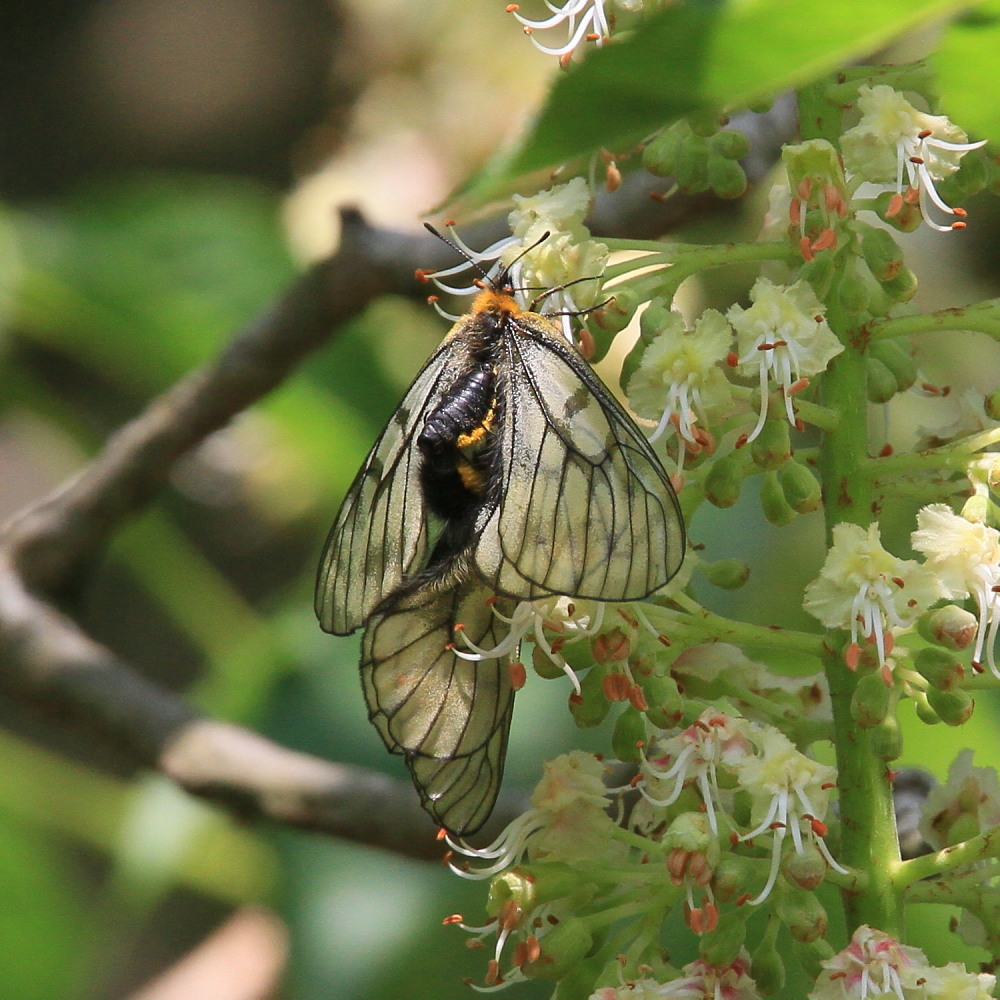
[691,174]
[810,956]
[852,289]
[899,361]
[724,481]
[704,122]
[773,502]
[561,948]
[729,574]
[628,734]
[605,323]
[801,912]
[800,486]
[590,707]
[772,448]
[991,404]
[820,272]
[886,739]
[939,667]
[652,321]
[662,151]
[721,945]
[730,143]
[666,704]
[977,509]
[953,707]
[726,177]
[767,969]
[737,877]
[805,869]
[517,885]
[872,701]
[881,252]
[881,383]
[906,219]
[925,713]
[903,287]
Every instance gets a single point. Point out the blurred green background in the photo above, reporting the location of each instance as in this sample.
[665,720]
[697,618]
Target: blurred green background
[166,168]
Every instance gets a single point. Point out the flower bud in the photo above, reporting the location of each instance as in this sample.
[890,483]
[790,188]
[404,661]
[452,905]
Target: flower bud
[767,969]
[800,486]
[951,627]
[662,151]
[515,886]
[654,318]
[606,323]
[720,946]
[903,287]
[872,700]
[666,705]
[730,143]
[886,739]
[628,734]
[953,707]
[561,948]
[772,447]
[977,509]
[805,869]
[691,173]
[852,289]
[802,913]
[726,177]
[724,481]
[881,384]
[820,272]
[991,404]
[729,574]
[810,955]
[773,502]
[925,713]
[939,667]
[898,213]
[590,707]
[899,361]
[736,877]
[881,252]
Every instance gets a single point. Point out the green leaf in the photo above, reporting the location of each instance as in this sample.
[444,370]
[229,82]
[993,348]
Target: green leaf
[701,55]
[966,64]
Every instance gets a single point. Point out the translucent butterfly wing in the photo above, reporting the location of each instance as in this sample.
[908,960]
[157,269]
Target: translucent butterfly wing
[448,716]
[587,510]
[381,532]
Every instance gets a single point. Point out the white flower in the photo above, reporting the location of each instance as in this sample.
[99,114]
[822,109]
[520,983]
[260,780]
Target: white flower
[550,258]
[873,964]
[790,794]
[571,620]
[694,756]
[863,587]
[893,137]
[586,20]
[783,335]
[679,379]
[965,556]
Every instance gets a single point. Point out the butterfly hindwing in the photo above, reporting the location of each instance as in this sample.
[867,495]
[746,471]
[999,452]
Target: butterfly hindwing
[449,717]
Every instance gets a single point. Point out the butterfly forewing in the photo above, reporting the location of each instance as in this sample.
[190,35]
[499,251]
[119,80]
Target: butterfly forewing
[381,532]
[448,716]
[587,510]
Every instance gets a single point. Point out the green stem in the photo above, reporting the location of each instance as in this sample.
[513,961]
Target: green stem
[985,845]
[868,836]
[983,317]
[698,623]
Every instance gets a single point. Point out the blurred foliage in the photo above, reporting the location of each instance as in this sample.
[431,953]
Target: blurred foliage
[114,290]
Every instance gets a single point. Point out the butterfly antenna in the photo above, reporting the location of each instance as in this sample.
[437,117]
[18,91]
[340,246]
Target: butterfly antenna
[459,250]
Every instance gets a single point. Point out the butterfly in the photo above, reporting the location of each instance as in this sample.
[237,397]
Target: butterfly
[508,473]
